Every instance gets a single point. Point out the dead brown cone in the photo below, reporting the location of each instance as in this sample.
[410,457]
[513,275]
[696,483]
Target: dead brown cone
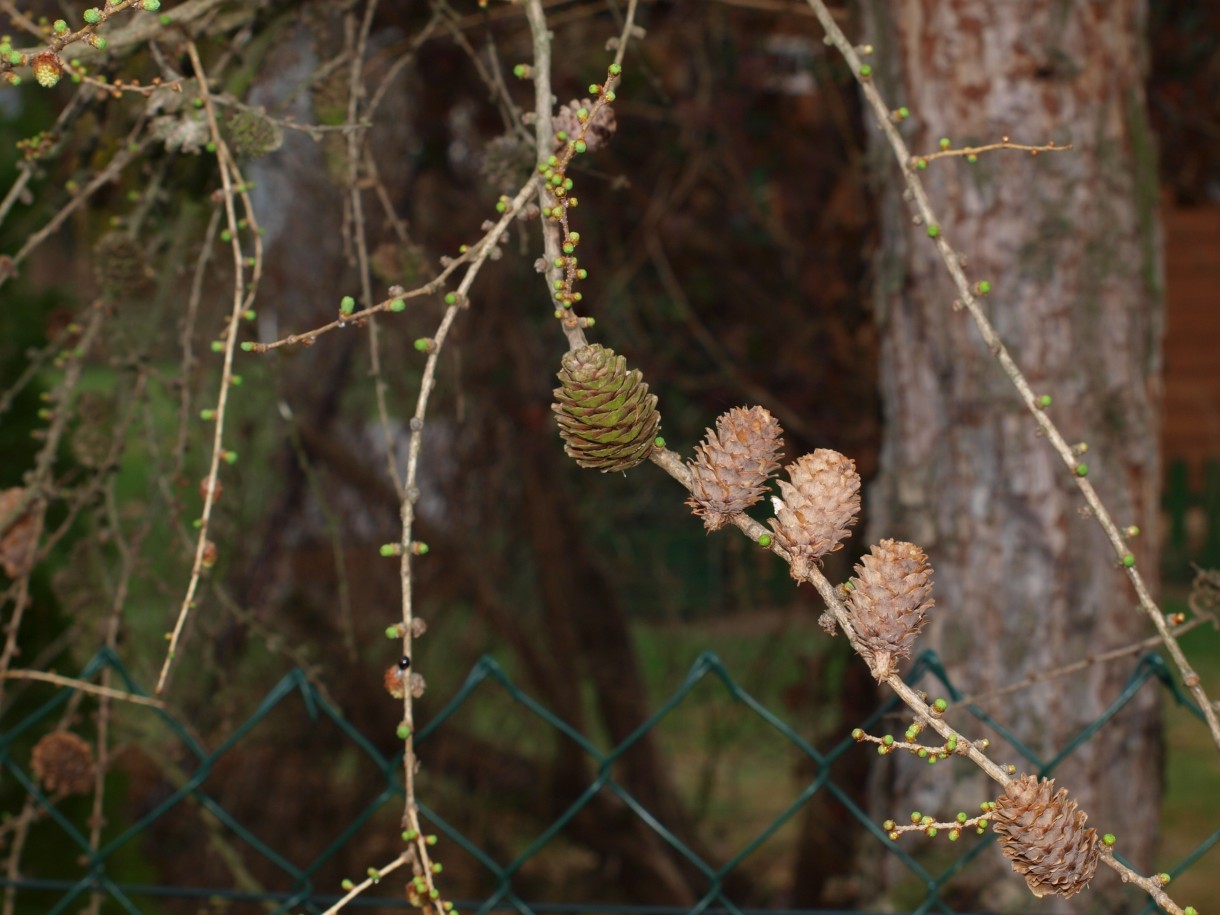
[18,536]
[63,762]
[733,464]
[1043,834]
[889,601]
[817,507]
[595,128]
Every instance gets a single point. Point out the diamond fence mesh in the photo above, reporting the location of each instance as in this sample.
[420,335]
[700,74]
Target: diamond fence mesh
[82,871]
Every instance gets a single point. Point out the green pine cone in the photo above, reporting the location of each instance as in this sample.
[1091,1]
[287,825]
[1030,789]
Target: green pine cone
[607,418]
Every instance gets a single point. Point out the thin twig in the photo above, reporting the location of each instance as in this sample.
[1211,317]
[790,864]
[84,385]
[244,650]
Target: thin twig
[228,169]
[83,685]
[967,151]
[367,882]
[1104,658]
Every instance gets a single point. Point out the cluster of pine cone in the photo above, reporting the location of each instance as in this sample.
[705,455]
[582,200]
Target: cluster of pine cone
[609,422]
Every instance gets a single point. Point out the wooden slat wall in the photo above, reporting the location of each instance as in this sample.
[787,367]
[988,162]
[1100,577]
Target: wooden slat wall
[1191,419]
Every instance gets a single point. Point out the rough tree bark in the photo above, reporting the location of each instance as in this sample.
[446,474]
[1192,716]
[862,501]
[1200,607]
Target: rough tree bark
[1070,241]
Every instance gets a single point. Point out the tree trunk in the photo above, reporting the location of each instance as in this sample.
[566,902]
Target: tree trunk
[1070,242]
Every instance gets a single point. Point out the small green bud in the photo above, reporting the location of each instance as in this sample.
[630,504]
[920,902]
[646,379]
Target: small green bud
[865,71]
[933,231]
[207,415]
[229,457]
[92,15]
[972,158]
[857,734]
[888,740]
[226,235]
[424,344]
[373,874]
[1132,531]
[347,885]
[390,549]
[450,298]
[983,287]
[1109,839]
[764,540]
[581,146]
[403,732]
[393,632]
[501,206]
[210,146]
[436,867]
[430,840]
[1164,878]
[961,816]
[1082,470]
[165,19]
[904,112]
[940,705]
[610,96]
[249,314]
[60,26]
[247,346]
[151,6]
[521,71]
[419,548]
[916,817]
[615,70]
[1045,401]
[347,305]
[582,274]
[1128,561]
[217,346]
[236,380]
[398,305]
[944,143]
[954,834]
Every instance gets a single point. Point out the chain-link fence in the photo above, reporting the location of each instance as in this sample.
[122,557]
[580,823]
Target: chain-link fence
[85,870]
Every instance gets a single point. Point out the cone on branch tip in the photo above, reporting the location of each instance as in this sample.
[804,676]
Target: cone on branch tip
[1043,835]
[607,418]
[889,602]
[733,464]
[818,506]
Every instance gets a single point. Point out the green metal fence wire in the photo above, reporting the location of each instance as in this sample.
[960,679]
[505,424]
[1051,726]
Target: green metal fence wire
[301,895]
